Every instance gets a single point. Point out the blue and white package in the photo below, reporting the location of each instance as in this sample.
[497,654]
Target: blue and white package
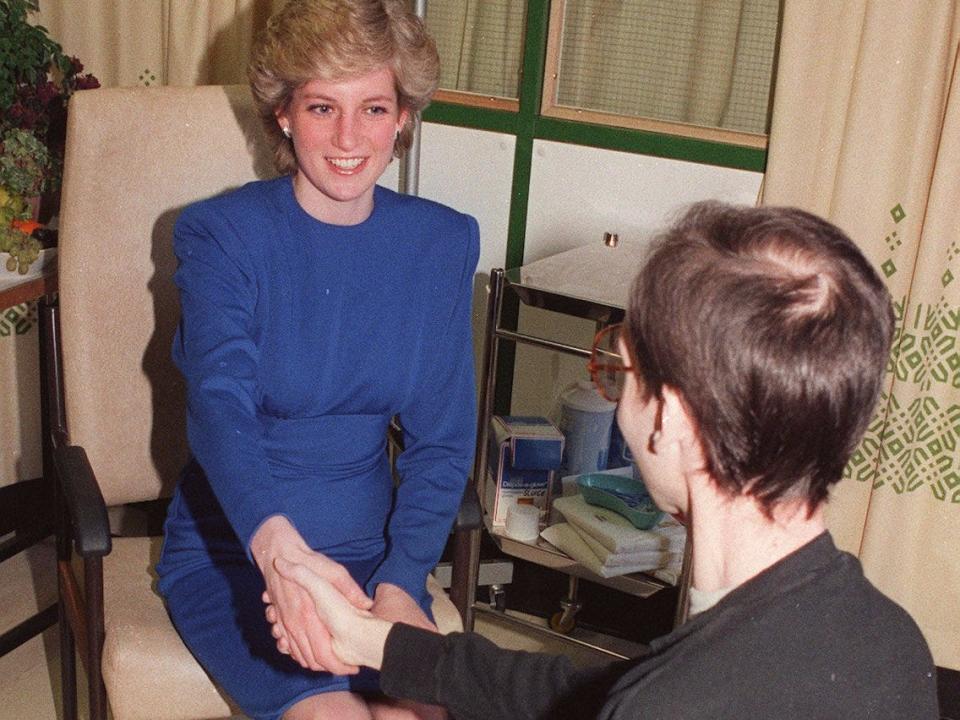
[524,453]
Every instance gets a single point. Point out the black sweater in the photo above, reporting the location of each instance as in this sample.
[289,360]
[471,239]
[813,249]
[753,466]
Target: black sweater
[808,639]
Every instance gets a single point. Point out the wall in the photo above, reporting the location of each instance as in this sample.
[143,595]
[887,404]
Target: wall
[19,401]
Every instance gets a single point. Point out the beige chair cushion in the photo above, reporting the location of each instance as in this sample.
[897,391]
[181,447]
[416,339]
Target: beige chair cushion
[148,671]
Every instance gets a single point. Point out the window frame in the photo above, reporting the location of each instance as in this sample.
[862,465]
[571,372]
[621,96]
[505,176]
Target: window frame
[636,130]
[477,100]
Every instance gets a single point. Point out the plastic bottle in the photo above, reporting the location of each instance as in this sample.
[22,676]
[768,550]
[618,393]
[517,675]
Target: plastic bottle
[585,420]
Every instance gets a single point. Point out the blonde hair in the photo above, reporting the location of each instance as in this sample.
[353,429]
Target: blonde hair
[337,40]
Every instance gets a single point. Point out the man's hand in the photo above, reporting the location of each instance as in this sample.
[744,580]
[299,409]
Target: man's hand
[296,625]
[357,635]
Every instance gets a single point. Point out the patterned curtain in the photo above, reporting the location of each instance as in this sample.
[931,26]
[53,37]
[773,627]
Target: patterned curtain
[122,42]
[866,132]
[158,42]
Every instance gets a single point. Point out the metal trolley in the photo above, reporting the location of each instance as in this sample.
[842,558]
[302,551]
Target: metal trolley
[612,271]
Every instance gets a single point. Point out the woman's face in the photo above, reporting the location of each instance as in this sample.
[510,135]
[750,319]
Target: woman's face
[343,134]
[657,457]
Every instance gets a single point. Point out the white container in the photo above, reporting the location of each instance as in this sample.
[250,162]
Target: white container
[523,522]
[585,421]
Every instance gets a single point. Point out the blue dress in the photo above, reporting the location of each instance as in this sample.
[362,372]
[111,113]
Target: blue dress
[299,341]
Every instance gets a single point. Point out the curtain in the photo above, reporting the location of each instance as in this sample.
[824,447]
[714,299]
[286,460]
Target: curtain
[165,42]
[480,44]
[122,42]
[697,62]
[866,132]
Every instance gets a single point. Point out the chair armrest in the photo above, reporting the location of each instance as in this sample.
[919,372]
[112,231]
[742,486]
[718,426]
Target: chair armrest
[84,501]
[469,516]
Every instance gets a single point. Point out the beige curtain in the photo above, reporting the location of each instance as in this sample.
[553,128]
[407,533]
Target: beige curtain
[480,44]
[122,42]
[703,62]
[158,42]
[866,132]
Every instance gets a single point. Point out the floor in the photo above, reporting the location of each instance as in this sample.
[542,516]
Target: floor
[29,675]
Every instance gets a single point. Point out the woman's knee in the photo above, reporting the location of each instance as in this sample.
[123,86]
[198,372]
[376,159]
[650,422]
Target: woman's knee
[341,705]
[383,708]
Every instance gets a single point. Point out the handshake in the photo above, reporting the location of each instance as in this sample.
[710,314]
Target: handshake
[318,614]
[357,636]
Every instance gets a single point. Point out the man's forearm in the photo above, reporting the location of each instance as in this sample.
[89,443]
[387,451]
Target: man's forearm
[475,679]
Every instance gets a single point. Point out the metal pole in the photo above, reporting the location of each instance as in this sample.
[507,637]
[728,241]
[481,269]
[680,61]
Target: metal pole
[410,177]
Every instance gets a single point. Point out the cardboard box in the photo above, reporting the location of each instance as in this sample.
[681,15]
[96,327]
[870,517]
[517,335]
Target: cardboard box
[524,453]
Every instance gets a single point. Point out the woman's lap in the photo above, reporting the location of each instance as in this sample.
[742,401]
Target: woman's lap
[219,613]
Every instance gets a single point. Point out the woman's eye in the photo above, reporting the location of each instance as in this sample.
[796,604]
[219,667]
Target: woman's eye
[377,110]
[320,108]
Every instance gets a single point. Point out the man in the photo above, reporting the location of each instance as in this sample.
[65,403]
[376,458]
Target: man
[755,344]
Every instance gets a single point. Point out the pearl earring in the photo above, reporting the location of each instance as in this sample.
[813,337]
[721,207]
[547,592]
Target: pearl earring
[286,133]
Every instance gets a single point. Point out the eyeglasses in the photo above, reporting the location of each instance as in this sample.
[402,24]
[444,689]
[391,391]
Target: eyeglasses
[607,366]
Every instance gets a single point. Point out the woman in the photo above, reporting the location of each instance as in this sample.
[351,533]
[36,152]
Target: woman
[757,340]
[315,307]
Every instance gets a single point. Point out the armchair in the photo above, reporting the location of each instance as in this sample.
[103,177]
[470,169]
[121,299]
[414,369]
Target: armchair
[135,158]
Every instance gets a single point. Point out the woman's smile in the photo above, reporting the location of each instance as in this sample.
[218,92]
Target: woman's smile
[347,166]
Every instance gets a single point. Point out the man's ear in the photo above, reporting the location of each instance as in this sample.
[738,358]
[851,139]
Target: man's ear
[680,427]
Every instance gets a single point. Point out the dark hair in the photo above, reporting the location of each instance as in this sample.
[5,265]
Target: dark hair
[775,330]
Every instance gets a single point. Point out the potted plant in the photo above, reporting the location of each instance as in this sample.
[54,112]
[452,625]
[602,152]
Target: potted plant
[36,81]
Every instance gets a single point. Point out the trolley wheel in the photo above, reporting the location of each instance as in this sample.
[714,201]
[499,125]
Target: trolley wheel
[562,622]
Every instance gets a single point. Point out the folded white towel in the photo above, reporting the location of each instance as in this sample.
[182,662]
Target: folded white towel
[607,527]
[568,539]
[631,557]
[675,533]
[669,574]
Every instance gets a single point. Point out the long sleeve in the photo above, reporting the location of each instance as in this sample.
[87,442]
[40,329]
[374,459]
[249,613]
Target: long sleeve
[439,433]
[216,351]
[476,680]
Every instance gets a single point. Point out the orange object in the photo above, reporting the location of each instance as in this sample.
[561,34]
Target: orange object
[26,226]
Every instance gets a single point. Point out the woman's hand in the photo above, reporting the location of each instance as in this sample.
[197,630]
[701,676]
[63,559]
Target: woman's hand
[357,636]
[296,624]
[394,604]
